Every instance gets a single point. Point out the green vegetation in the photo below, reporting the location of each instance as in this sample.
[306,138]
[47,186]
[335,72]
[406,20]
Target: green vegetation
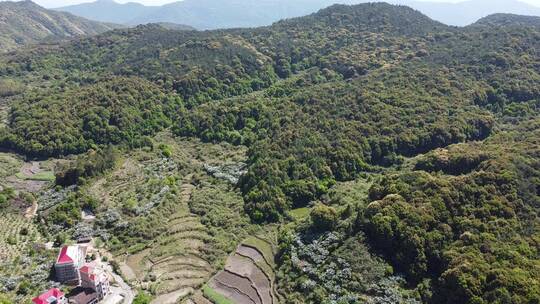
[24,268]
[434,225]
[142,298]
[115,111]
[300,213]
[221,211]
[408,139]
[46,176]
[215,297]
[9,165]
[91,164]
[323,217]
[9,87]
[5,196]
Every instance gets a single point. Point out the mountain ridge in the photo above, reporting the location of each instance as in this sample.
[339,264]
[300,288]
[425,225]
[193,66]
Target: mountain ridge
[508,19]
[211,14]
[25,22]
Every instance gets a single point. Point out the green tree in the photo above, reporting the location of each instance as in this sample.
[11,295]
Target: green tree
[324,217]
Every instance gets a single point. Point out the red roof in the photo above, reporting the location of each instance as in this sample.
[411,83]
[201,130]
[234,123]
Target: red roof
[63,257]
[47,297]
[86,269]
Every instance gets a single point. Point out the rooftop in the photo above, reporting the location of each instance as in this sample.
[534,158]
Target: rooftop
[48,297]
[94,273]
[69,254]
[81,295]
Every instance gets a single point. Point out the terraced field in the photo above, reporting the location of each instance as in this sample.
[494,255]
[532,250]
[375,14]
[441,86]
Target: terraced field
[177,262]
[171,266]
[248,276]
[170,248]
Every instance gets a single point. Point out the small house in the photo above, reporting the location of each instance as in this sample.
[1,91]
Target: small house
[52,296]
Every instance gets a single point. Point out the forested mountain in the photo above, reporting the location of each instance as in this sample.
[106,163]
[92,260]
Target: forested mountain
[212,14]
[433,129]
[25,22]
[509,20]
[176,26]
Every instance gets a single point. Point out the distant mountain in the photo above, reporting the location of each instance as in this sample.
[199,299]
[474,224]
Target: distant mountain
[373,17]
[509,20]
[25,22]
[468,12]
[202,14]
[176,26]
[109,11]
[213,14]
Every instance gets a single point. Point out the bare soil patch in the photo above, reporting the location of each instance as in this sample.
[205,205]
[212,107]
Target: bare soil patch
[251,253]
[246,268]
[240,284]
[230,292]
[172,297]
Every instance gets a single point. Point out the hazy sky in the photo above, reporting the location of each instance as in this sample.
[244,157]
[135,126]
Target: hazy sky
[58,3]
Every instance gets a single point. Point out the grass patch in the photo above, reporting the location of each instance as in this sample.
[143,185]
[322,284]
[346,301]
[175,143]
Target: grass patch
[350,193]
[214,296]
[300,213]
[9,165]
[45,176]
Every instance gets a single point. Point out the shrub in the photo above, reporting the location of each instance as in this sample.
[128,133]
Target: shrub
[323,217]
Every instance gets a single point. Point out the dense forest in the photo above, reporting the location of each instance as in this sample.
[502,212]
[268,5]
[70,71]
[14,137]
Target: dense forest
[444,122]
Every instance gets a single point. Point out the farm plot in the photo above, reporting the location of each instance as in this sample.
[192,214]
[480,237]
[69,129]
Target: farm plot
[248,277]
[19,238]
[4,110]
[30,177]
[17,234]
[151,210]
[178,265]
[9,165]
[161,248]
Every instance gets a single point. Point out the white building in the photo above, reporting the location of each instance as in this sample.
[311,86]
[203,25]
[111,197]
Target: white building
[69,260]
[96,279]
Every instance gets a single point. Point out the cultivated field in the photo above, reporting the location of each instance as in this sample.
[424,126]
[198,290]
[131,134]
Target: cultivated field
[248,276]
[174,211]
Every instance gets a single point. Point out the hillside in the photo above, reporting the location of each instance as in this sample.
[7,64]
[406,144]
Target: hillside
[509,20]
[24,22]
[362,153]
[176,26]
